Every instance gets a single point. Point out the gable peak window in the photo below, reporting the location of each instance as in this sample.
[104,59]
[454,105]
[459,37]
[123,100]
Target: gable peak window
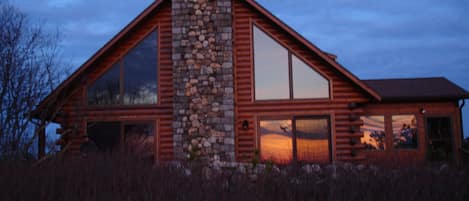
[281,75]
[131,81]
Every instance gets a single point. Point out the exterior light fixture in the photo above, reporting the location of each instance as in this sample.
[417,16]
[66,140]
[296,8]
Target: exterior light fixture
[245,124]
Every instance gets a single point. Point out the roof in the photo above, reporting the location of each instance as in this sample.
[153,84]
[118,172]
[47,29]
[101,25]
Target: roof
[417,89]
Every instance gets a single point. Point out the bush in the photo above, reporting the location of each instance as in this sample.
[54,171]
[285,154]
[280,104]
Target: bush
[117,178]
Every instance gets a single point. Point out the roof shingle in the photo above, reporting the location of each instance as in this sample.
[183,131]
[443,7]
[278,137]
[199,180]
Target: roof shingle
[417,89]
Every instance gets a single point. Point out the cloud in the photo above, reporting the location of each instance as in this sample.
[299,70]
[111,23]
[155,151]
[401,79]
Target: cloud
[85,25]
[373,39]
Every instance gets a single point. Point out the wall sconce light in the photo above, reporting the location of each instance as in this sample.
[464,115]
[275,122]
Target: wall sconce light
[422,110]
[245,124]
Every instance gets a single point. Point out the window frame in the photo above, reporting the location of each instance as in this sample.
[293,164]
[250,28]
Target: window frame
[120,62]
[122,123]
[417,147]
[290,53]
[293,119]
[385,124]
[389,134]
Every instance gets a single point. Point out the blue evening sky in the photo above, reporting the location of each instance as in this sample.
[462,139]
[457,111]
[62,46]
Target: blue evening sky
[373,39]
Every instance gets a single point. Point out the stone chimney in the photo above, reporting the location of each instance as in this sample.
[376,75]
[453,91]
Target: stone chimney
[203,119]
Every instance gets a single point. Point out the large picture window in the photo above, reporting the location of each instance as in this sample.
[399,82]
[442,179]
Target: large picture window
[301,138]
[281,75]
[132,80]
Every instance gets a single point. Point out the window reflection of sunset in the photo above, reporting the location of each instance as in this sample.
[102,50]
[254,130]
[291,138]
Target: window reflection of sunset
[312,150]
[373,132]
[312,140]
[276,147]
[276,140]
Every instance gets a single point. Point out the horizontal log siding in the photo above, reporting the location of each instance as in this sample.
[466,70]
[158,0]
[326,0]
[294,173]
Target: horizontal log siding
[343,90]
[77,113]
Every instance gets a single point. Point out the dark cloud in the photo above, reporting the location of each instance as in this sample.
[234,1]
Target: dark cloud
[85,25]
[373,39]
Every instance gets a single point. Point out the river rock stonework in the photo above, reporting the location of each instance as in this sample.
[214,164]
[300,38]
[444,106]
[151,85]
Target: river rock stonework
[203,119]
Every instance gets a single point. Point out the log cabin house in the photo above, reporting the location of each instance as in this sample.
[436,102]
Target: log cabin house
[226,80]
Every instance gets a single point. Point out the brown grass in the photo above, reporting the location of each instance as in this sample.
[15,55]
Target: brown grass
[127,178]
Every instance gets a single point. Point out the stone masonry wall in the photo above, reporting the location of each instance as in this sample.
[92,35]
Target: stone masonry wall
[203,80]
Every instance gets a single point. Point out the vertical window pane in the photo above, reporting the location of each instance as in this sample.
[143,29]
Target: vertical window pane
[140,72]
[106,89]
[139,139]
[276,140]
[312,140]
[373,132]
[105,135]
[404,129]
[307,83]
[270,68]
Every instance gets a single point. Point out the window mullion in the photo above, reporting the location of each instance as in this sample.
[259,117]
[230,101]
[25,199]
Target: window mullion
[121,82]
[295,157]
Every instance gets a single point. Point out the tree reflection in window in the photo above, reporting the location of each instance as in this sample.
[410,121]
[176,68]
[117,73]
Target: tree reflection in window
[373,133]
[136,138]
[404,129]
[140,74]
[139,139]
[105,90]
[137,84]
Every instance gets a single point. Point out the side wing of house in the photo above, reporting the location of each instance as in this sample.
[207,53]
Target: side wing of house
[418,120]
[291,104]
[124,95]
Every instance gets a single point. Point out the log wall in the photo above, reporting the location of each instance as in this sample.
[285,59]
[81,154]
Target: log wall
[343,91]
[77,113]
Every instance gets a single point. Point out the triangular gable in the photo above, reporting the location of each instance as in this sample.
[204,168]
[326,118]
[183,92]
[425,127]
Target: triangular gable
[157,4]
[80,71]
[326,56]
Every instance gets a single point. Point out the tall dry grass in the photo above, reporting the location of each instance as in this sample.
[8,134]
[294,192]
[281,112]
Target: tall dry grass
[128,178]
